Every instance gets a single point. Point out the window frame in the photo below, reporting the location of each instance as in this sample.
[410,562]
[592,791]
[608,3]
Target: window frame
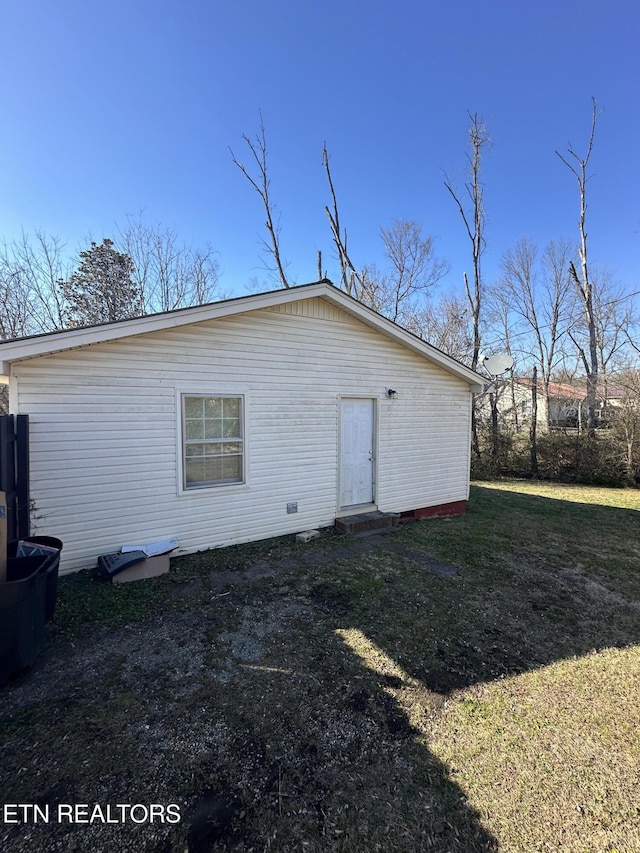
[184,487]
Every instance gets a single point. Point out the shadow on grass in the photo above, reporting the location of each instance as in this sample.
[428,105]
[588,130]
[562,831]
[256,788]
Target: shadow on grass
[536,580]
[293,712]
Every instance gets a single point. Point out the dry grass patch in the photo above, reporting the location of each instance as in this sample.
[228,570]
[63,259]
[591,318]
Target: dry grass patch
[550,758]
[598,496]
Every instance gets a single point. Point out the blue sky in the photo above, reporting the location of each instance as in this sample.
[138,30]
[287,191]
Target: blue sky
[108,109]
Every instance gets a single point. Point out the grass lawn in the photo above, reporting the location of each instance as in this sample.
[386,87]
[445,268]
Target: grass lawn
[467,684]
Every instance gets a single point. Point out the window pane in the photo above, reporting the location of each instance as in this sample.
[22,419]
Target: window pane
[232,447]
[213,429]
[193,407]
[231,407]
[213,407]
[212,469]
[214,449]
[193,450]
[231,428]
[194,429]
[193,471]
[232,468]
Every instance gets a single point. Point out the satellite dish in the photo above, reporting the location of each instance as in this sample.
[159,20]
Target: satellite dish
[497,364]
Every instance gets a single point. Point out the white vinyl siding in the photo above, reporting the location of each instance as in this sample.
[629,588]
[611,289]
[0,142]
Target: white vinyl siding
[106,434]
[212,441]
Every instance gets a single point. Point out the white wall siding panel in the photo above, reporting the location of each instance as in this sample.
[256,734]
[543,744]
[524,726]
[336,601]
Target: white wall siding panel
[317,308]
[105,429]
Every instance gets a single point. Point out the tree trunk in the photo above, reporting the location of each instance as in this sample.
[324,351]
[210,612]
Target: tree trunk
[474,224]
[493,401]
[533,429]
[584,285]
[514,405]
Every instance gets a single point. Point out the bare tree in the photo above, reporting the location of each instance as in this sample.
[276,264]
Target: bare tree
[557,306]
[614,316]
[352,281]
[473,219]
[444,323]
[16,298]
[534,296]
[31,273]
[261,184]
[168,273]
[400,289]
[415,269]
[578,165]
[499,318]
[626,422]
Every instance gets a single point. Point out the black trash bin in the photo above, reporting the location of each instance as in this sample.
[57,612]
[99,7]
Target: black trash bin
[52,567]
[23,603]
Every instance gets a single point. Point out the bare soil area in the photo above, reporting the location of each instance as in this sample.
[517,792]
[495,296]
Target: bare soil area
[234,698]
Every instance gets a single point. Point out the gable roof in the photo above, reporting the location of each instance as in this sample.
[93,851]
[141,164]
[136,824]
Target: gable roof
[53,342]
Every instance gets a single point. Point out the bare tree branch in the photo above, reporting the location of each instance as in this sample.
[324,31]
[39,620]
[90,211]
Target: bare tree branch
[169,273]
[352,282]
[261,184]
[31,273]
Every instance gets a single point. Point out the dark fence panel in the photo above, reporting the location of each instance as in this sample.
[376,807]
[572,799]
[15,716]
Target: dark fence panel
[14,473]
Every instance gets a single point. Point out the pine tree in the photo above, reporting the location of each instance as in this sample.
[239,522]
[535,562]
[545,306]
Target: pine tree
[102,289]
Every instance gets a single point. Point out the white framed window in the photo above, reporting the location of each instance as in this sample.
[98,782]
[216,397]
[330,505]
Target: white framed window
[212,440]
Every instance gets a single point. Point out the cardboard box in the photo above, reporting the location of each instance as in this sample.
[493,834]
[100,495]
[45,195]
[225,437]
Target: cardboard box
[149,568]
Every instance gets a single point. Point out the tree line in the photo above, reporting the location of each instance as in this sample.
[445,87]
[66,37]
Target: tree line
[144,269]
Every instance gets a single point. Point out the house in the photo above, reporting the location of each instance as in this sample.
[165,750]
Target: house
[567,403]
[234,421]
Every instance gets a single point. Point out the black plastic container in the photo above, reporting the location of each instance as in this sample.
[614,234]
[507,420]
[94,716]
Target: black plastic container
[23,603]
[52,567]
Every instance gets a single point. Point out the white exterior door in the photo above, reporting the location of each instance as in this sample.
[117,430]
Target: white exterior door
[357,435]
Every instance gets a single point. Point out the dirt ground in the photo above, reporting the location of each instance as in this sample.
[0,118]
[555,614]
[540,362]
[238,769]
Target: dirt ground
[234,702]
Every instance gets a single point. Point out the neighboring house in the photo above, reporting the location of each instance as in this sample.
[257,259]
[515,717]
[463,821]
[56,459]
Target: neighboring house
[235,421]
[566,403]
